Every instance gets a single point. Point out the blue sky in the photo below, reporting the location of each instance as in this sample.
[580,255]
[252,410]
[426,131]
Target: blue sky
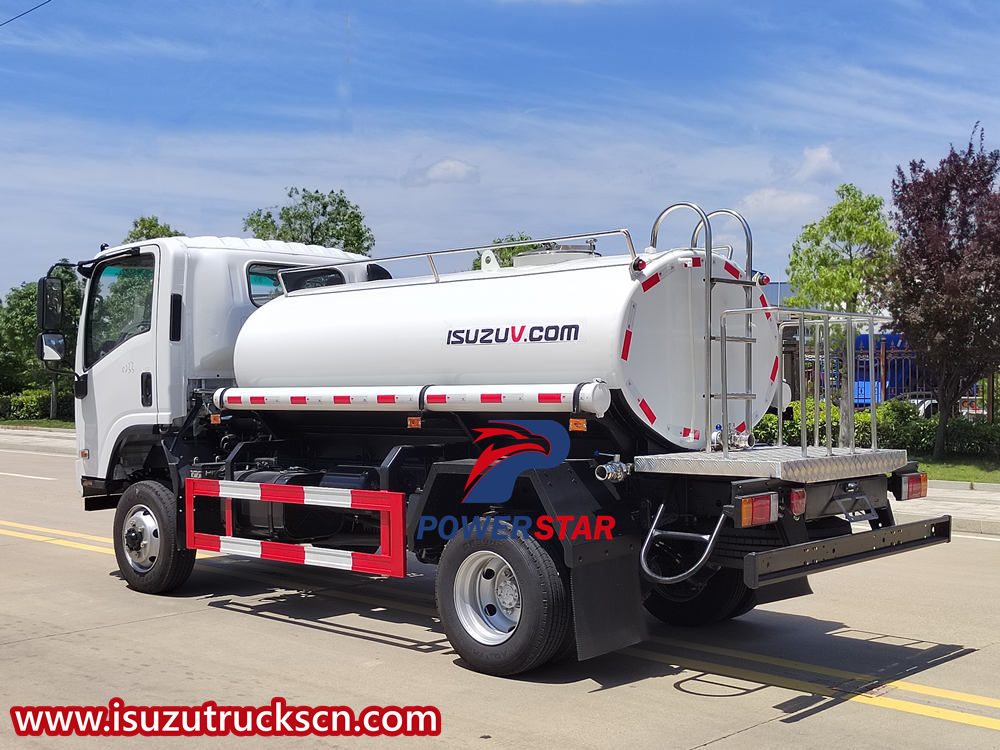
[450,123]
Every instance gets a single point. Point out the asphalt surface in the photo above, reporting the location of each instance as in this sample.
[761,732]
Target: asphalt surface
[901,652]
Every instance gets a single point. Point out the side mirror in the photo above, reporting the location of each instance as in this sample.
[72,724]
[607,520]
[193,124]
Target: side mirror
[50,347]
[50,304]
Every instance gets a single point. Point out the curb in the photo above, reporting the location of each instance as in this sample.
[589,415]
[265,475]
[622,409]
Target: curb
[60,432]
[962,525]
[950,484]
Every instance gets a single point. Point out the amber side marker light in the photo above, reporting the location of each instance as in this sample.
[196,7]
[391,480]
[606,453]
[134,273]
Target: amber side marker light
[578,425]
[414,423]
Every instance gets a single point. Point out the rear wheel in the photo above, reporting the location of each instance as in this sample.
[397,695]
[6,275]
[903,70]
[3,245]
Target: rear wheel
[503,602]
[721,597]
[145,538]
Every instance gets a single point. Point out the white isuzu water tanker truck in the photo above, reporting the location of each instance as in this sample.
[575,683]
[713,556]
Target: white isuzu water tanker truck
[569,439]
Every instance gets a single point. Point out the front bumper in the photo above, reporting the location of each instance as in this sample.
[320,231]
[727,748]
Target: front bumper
[785,563]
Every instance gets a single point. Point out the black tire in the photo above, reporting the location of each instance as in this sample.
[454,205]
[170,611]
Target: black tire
[723,597]
[145,539]
[486,641]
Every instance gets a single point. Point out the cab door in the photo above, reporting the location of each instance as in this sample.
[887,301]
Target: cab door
[117,356]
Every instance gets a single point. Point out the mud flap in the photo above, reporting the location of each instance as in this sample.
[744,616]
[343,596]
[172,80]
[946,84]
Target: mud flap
[604,574]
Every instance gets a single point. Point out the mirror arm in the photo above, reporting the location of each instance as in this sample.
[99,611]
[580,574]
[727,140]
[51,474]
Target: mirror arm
[60,371]
[61,264]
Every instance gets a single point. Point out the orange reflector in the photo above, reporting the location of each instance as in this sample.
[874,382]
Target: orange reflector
[914,486]
[797,501]
[414,423]
[84,454]
[578,425]
[757,510]
[215,418]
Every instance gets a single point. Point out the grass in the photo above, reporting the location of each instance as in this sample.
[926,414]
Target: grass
[36,423]
[961,468]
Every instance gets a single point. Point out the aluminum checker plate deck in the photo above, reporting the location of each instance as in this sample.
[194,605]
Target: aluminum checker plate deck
[786,463]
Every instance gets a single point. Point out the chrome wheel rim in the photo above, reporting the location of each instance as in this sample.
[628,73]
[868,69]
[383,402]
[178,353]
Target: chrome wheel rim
[141,538]
[487,598]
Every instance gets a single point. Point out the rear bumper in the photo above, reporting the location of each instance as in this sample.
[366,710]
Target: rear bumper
[785,563]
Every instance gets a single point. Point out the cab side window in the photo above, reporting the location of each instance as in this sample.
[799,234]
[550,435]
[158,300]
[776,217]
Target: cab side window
[120,305]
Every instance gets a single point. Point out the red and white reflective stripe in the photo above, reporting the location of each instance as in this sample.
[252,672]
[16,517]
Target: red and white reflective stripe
[649,283]
[764,303]
[390,561]
[731,269]
[644,406]
[691,433]
[693,262]
[774,369]
[627,341]
[593,397]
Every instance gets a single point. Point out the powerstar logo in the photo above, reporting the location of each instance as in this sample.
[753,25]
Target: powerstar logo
[510,448]
[515,334]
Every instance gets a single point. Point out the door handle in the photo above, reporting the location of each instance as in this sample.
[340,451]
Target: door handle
[146,388]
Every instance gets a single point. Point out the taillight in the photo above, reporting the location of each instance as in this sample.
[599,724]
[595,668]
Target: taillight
[756,510]
[797,501]
[913,486]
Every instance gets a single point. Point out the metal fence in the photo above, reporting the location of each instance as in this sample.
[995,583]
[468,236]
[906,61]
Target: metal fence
[897,375]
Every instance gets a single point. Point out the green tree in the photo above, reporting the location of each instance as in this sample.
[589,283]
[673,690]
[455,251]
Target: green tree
[315,218]
[19,367]
[838,262]
[149,228]
[505,256]
[944,287]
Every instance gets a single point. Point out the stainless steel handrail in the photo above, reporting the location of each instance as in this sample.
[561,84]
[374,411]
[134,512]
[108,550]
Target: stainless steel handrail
[429,256]
[708,304]
[824,319]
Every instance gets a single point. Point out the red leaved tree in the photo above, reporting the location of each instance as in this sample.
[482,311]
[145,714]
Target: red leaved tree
[944,288]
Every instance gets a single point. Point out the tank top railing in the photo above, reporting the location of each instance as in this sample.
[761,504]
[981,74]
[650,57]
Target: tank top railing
[287,277]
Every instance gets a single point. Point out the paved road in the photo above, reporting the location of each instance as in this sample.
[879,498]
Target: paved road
[898,653]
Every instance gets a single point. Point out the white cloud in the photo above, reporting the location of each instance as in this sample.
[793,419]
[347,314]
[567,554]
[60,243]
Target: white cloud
[818,165]
[72,43]
[445,170]
[781,206]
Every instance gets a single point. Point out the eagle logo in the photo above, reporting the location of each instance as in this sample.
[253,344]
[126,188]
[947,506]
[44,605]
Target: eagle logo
[510,448]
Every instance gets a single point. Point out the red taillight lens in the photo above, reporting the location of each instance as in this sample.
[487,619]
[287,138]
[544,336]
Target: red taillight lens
[756,510]
[797,501]
[913,486]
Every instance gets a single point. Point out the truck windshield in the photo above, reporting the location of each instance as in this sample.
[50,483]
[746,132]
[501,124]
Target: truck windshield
[120,305]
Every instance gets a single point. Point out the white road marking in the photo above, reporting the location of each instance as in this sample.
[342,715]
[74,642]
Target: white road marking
[37,453]
[27,476]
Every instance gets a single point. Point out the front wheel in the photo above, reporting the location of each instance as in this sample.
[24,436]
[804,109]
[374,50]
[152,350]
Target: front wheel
[503,601]
[145,537]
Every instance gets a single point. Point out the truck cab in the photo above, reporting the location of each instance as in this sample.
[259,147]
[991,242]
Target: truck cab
[159,320]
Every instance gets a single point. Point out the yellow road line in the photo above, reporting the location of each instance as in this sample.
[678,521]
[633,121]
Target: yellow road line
[60,542]
[817,688]
[66,542]
[910,687]
[58,532]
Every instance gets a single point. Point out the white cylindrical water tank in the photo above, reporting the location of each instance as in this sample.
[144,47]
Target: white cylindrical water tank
[643,332]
